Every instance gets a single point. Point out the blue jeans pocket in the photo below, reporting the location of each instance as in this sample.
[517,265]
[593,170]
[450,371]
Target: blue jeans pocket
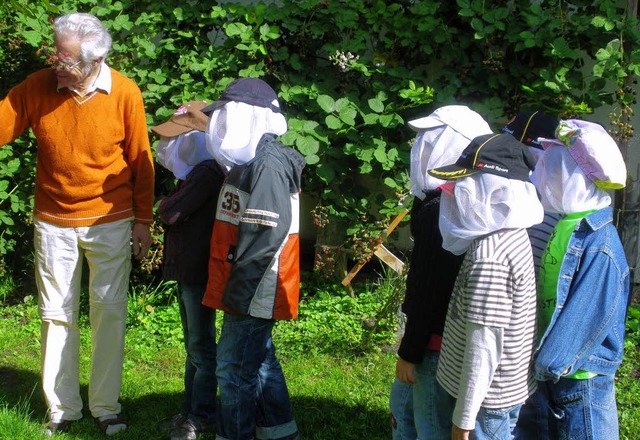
[602,392]
[496,424]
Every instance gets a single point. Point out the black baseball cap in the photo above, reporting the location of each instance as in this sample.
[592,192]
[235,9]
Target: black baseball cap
[499,154]
[252,91]
[528,126]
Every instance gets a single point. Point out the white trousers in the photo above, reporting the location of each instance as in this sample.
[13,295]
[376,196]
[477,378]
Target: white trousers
[59,254]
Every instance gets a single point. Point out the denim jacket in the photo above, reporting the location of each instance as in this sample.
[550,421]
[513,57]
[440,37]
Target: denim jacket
[588,325]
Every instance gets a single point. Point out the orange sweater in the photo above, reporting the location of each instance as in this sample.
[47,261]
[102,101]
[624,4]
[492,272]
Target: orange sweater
[94,161]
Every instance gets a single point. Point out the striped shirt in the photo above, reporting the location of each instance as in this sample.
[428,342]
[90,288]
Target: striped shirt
[495,287]
[539,236]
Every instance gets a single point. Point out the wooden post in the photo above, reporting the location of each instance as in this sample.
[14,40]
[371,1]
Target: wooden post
[381,252]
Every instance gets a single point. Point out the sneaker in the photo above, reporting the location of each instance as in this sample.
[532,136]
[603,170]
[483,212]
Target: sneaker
[112,424]
[189,430]
[57,426]
[172,423]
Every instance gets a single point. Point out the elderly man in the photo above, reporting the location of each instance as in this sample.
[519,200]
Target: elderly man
[93,197]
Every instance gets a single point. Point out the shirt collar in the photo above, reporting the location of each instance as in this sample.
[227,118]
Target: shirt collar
[102,82]
[598,219]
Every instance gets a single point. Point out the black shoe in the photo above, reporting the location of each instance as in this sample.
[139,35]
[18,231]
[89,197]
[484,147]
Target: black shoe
[190,430]
[54,427]
[172,423]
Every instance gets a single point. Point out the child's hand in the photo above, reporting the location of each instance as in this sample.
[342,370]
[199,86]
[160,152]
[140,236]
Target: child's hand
[404,371]
[459,433]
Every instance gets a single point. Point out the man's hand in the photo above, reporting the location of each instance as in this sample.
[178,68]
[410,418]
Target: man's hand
[459,433]
[141,239]
[404,371]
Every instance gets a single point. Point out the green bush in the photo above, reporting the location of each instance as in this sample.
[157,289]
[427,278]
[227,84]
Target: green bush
[349,75]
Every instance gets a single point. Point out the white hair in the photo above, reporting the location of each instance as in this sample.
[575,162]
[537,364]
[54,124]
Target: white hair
[95,41]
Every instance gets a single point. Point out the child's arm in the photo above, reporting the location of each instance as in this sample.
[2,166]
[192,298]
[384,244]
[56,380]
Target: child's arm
[190,195]
[483,350]
[594,306]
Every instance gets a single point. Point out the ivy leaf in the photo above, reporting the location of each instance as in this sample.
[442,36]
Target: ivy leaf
[348,116]
[159,76]
[391,183]
[371,119]
[325,172]
[380,154]
[562,50]
[326,103]
[235,29]
[342,103]
[32,37]
[312,159]
[376,105]
[307,145]
[603,22]
[333,122]
[387,120]
[122,22]
[310,125]
[365,168]
[477,24]
[552,85]
[6,219]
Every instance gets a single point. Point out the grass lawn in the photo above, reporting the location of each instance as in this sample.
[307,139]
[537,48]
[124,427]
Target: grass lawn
[339,383]
[341,395]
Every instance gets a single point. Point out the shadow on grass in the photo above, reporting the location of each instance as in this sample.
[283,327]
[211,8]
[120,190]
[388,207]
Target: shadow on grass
[325,419]
[19,386]
[317,418]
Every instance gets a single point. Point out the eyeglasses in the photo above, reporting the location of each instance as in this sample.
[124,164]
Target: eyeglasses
[65,65]
[58,60]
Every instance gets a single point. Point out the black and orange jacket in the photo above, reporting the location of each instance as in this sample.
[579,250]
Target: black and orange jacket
[254,267]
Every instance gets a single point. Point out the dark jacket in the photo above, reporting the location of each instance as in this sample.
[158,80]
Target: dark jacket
[255,249]
[187,236]
[430,279]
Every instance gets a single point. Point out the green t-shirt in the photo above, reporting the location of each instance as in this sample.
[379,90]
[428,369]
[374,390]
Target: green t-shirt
[552,258]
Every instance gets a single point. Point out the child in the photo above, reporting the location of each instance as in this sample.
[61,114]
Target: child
[528,127]
[254,272]
[188,215]
[583,288]
[416,408]
[489,330]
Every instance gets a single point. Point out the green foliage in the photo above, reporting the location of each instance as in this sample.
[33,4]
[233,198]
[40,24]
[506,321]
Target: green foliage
[330,321]
[14,421]
[349,74]
[628,385]
[633,325]
[153,313]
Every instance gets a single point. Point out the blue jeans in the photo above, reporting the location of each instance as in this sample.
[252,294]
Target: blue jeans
[401,405]
[492,424]
[571,409]
[199,329]
[432,405]
[496,424]
[254,399]
[533,422]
